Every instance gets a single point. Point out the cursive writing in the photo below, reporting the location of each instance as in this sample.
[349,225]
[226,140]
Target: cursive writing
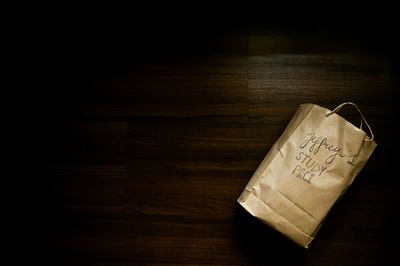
[315,143]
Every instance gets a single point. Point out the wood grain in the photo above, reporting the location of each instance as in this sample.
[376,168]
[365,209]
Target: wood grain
[141,163]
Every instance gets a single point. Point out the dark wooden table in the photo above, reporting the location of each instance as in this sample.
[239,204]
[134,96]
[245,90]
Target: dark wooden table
[144,149]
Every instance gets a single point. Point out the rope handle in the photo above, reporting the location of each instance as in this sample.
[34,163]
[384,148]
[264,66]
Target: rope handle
[337,109]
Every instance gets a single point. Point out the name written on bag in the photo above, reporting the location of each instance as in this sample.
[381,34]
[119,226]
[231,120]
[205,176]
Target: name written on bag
[308,167]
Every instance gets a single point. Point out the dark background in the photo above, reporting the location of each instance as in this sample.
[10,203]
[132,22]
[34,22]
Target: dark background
[146,126]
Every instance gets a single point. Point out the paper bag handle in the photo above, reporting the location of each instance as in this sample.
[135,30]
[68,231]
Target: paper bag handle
[337,109]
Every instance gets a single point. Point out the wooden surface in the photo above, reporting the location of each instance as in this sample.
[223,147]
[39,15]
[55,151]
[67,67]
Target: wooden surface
[142,154]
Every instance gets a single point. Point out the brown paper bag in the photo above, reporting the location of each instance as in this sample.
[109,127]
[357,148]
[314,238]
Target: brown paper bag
[307,170]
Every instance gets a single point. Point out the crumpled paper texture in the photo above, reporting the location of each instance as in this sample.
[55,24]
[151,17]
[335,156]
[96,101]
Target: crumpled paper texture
[306,171]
